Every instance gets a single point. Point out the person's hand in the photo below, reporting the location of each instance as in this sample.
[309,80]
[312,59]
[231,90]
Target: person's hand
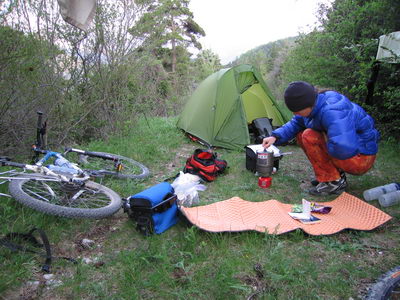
[268,141]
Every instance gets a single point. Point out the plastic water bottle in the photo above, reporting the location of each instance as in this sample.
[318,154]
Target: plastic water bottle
[389,199]
[62,165]
[373,194]
[62,170]
[62,162]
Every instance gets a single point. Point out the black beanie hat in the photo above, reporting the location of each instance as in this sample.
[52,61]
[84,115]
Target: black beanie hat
[299,95]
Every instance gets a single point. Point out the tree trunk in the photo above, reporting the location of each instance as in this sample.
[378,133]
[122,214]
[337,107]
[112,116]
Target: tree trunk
[173,44]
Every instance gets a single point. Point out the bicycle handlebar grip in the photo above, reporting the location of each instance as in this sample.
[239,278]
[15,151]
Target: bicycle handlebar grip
[99,155]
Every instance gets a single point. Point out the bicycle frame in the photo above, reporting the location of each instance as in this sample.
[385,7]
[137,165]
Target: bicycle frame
[41,143]
[75,174]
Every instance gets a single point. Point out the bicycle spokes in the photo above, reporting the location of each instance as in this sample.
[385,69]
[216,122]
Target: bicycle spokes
[61,194]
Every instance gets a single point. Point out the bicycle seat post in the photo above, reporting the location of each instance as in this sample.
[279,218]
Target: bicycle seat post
[40,136]
[41,131]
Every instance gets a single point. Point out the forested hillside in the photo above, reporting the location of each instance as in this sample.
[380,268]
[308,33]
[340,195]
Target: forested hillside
[269,58]
[136,60]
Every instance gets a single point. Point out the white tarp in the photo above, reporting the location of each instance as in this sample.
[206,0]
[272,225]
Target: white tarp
[79,13]
[389,48]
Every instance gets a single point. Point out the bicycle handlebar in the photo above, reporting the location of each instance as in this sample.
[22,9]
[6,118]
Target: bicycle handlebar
[89,153]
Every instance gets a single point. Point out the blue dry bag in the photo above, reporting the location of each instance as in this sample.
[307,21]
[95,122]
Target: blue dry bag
[154,209]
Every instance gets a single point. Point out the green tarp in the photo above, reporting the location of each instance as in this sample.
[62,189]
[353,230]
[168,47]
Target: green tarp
[223,105]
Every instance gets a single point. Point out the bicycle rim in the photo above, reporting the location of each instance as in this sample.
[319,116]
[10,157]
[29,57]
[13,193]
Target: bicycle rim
[129,168]
[56,198]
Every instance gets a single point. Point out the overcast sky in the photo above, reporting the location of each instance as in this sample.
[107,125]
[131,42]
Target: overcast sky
[235,26]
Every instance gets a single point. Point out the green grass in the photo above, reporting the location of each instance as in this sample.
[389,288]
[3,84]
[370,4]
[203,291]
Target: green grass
[187,263]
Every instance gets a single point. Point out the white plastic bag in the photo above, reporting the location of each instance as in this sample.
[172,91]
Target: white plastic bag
[186,187]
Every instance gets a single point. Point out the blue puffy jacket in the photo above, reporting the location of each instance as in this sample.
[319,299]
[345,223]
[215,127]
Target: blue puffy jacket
[350,130]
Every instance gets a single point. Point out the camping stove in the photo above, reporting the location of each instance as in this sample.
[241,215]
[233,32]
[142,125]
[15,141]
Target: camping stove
[264,168]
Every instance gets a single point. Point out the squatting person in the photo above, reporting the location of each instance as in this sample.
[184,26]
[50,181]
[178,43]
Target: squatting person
[337,135]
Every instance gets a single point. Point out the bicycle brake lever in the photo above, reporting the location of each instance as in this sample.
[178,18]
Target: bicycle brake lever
[67,149]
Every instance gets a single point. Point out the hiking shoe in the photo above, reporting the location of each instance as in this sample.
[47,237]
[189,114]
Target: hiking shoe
[330,187]
[315,182]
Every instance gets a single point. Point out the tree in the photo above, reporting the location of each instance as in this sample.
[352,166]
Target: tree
[206,63]
[167,24]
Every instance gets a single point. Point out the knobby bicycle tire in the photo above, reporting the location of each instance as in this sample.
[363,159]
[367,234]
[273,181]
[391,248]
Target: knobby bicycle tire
[42,193]
[387,286]
[99,166]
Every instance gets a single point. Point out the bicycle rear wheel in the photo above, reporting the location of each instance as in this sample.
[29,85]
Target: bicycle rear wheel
[49,195]
[102,163]
[387,286]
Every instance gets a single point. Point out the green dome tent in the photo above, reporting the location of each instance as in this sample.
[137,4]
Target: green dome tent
[225,103]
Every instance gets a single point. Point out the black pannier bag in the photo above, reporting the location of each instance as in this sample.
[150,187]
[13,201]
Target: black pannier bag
[262,127]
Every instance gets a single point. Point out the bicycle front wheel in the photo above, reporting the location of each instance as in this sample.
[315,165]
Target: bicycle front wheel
[51,196]
[102,163]
[387,286]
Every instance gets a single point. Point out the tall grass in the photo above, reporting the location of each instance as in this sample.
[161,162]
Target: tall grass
[188,263]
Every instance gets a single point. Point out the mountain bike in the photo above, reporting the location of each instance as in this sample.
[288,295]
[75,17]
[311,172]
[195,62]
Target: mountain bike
[63,188]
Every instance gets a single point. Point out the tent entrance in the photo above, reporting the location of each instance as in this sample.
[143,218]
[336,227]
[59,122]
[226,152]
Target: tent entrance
[257,104]
[253,103]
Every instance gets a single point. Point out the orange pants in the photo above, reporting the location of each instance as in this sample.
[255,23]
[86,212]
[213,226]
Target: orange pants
[326,167]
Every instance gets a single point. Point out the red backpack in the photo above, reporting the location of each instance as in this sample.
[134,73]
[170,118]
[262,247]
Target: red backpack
[205,164]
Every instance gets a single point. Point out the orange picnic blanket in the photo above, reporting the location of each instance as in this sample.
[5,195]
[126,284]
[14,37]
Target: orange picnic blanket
[236,214]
